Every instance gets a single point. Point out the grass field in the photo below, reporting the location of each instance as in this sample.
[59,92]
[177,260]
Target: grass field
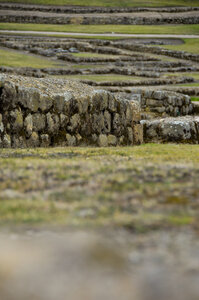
[129,29]
[99,78]
[190,45]
[91,54]
[11,58]
[123,3]
[148,186]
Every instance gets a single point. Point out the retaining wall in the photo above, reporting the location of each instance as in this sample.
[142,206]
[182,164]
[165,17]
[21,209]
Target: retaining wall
[92,9]
[159,51]
[164,102]
[138,18]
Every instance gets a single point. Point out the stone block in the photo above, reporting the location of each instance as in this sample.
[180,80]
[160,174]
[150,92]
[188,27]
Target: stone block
[103,140]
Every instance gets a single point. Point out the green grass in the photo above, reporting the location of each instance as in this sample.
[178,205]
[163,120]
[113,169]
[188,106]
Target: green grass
[194,98]
[88,66]
[11,58]
[99,78]
[196,84]
[123,3]
[143,187]
[190,45]
[134,29]
[90,54]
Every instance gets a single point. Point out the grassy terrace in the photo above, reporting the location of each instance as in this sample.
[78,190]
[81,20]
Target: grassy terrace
[144,187]
[129,29]
[190,45]
[91,54]
[11,58]
[123,3]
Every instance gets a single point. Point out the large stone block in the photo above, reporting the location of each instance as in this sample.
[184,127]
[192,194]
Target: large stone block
[176,130]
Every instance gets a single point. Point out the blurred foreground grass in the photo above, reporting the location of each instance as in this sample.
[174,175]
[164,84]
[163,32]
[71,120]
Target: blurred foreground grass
[142,188]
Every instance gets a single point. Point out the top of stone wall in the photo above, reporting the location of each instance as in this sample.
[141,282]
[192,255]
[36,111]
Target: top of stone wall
[49,86]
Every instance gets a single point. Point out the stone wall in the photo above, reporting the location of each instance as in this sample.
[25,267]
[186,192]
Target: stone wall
[176,130]
[49,112]
[159,51]
[133,18]
[92,9]
[187,90]
[138,82]
[35,72]
[165,103]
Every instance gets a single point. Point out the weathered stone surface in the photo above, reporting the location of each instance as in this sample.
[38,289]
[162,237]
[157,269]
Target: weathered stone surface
[52,123]
[138,134]
[177,130]
[130,134]
[33,141]
[6,141]
[71,140]
[1,124]
[63,120]
[16,120]
[28,124]
[39,122]
[45,102]
[107,122]
[154,103]
[100,99]
[103,140]
[45,140]
[75,122]
[112,140]
[18,142]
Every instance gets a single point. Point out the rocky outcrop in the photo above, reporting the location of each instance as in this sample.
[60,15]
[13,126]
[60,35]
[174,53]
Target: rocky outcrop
[49,112]
[176,130]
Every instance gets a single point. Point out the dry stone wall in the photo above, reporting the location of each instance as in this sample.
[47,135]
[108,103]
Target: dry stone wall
[133,18]
[159,50]
[49,112]
[165,102]
[176,130]
[92,9]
